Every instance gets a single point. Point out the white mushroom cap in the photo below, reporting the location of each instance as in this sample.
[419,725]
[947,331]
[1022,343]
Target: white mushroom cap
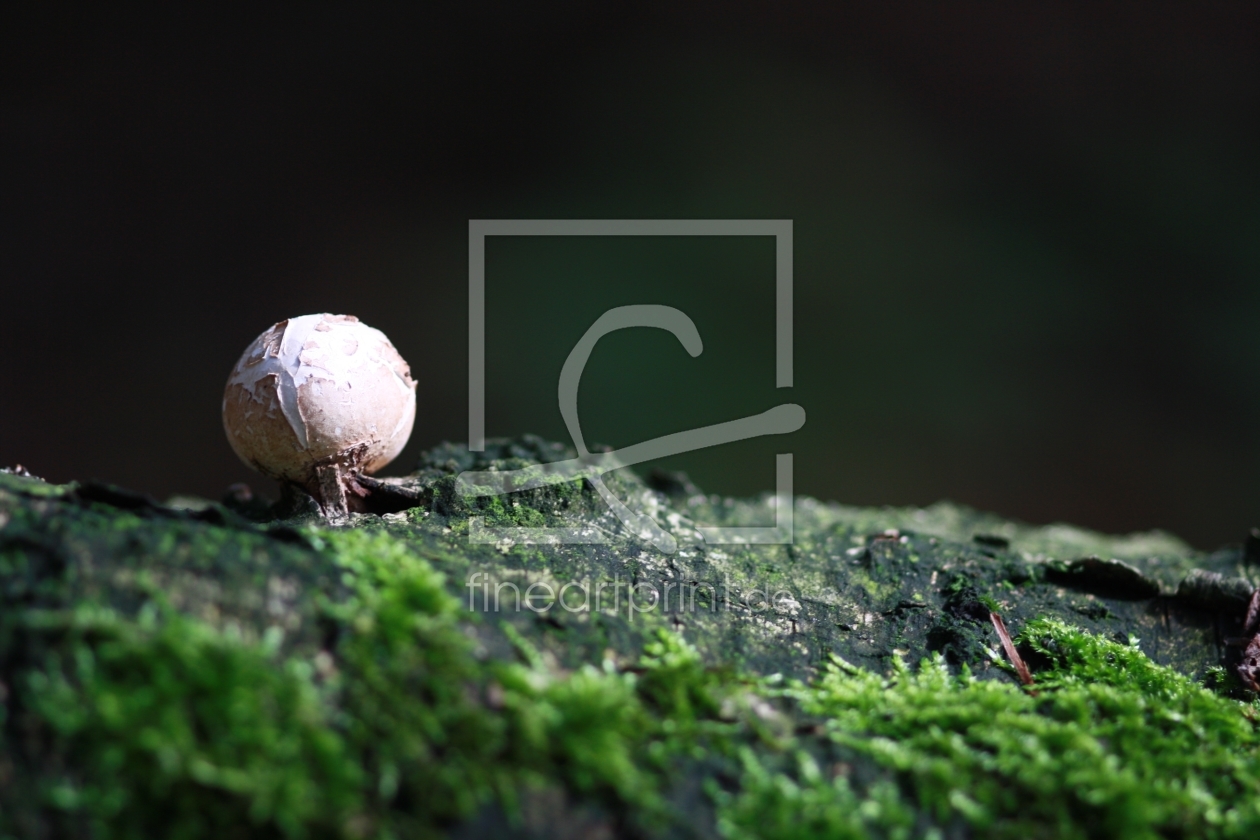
[319,390]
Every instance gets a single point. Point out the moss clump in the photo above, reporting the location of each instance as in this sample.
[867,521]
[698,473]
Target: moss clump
[161,726]
[809,803]
[1110,745]
[443,732]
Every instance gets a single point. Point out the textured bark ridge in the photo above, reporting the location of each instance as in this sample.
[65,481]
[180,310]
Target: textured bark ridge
[238,668]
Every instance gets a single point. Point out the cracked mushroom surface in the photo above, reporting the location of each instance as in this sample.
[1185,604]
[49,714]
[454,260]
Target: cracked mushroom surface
[319,394]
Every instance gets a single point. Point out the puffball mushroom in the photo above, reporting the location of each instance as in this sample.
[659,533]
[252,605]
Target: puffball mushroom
[317,401]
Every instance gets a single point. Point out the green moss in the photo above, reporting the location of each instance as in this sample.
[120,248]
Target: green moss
[14,483]
[806,803]
[163,727]
[1110,745]
[442,732]
[164,674]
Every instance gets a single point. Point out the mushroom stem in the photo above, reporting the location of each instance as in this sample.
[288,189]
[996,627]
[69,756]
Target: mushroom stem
[332,493]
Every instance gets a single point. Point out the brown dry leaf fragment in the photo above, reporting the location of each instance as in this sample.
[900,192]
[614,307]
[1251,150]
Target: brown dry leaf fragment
[1021,667]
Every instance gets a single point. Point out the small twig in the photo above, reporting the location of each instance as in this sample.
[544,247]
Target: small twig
[1021,668]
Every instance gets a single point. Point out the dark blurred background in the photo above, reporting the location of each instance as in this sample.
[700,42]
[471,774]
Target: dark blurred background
[1027,237]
